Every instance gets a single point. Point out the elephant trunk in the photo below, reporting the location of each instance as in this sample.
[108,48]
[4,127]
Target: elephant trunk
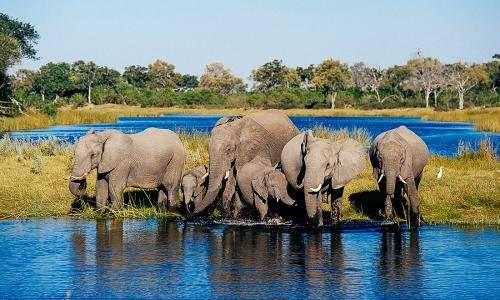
[216,175]
[312,201]
[78,188]
[77,179]
[390,181]
[285,198]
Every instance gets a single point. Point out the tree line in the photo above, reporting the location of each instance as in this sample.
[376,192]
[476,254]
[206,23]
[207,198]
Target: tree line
[421,81]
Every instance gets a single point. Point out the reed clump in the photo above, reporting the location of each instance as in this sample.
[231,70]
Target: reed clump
[468,192]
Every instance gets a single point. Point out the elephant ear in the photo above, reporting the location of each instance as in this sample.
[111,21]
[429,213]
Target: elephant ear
[307,142]
[116,148]
[229,119]
[259,186]
[407,166]
[349,161]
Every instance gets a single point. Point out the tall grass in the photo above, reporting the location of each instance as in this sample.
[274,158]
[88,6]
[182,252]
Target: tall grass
[359,134]
[483,151]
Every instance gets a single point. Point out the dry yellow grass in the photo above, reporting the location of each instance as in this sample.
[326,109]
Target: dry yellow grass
[485,118]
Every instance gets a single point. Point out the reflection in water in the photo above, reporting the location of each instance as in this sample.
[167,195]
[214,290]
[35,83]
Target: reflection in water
[160,258]
[399,260]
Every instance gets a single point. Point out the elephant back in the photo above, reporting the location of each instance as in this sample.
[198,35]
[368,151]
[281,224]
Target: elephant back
[279,129]
[418,147]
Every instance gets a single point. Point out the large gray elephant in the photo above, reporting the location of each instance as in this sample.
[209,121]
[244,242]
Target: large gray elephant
[235,141]
[194,186]
[321,167]
[257,181]
[153,158]
[398,158]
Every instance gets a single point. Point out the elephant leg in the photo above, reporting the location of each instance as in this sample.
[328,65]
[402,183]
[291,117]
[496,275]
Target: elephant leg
[237,206]
[101,192]
[227,195]
[262,206]
[414,202]
[117,183]
[173,198]
[162,199]
[337,196]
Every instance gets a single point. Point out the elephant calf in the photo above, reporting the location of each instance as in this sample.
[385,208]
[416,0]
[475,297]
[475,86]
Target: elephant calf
[194,187]
[257,181]
[398,158]
[153,158]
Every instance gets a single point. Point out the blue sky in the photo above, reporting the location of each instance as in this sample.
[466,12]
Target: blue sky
[246,34]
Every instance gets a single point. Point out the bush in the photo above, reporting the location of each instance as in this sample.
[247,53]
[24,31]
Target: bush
[49,109]
[77,100]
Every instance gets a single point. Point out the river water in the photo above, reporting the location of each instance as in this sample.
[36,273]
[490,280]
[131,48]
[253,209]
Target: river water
[155,258]
[441,137]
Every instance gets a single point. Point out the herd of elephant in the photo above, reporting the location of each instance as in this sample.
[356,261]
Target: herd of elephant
[257,161]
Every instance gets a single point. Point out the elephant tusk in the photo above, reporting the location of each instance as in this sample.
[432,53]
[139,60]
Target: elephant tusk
[204,176]
[227,175]
[402,180]
[73,178]
[316,189]
[300,185]
[67,178]
[380,178]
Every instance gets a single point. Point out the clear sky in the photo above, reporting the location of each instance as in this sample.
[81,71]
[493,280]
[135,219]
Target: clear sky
[245,34]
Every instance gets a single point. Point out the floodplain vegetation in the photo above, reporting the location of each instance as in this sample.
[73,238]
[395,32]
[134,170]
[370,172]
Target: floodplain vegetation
[32,183]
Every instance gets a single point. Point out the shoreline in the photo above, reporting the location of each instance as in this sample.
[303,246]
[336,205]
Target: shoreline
[484,119]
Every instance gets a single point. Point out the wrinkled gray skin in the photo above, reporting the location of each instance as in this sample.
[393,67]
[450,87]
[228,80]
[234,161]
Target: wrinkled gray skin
[321,167]
[257,181]
[234,142]
[153,158]
[395,154]
[194,186]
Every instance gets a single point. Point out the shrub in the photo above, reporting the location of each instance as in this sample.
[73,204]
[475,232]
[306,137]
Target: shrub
[49,109]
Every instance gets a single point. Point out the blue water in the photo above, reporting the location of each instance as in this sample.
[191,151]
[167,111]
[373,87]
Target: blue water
[78,258]
[441,137]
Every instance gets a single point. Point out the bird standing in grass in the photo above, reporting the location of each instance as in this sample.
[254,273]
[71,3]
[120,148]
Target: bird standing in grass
[440,173]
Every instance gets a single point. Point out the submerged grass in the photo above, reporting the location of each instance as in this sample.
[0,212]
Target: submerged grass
[32,183]
[487,119]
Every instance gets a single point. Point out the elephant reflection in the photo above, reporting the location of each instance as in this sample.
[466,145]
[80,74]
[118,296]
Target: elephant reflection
[399,263]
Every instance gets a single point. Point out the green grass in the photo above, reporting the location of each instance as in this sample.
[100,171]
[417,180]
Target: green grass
[485,118]
[32,183]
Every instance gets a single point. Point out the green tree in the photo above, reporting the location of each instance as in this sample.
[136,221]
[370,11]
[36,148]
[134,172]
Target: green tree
[306,75]
[17,40]
[270,75]
[493,70]
[53,80]
[219,80]
[330,76]
[84,76]
[396,77]
[136,76]
[188,81]
[162,74]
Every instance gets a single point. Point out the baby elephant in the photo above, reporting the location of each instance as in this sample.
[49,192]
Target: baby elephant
[153,158]
[257,181]
[398,158]
[194,186]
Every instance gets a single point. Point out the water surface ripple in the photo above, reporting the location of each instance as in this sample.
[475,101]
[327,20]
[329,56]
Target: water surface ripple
[158,258]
